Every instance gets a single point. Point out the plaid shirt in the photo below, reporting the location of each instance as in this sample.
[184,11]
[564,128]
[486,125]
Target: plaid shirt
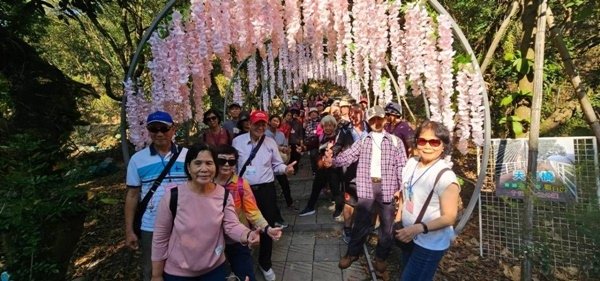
[393,160]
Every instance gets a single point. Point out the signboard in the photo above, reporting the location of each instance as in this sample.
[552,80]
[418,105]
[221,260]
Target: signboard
[555,179]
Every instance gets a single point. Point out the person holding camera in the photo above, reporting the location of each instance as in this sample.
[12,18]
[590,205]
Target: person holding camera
[429,205]
[381,157]
[328,175]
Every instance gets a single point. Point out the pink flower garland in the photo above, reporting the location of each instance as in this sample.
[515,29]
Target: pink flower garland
[252,74]
[477,108]
[398,59]
[137,109]
[445,59]
[415,30]
[464,120]
[293,23]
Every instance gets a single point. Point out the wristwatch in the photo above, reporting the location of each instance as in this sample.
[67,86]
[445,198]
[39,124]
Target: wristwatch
[425,229]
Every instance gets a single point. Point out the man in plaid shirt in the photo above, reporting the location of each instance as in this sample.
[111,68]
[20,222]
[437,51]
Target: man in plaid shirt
[381,157]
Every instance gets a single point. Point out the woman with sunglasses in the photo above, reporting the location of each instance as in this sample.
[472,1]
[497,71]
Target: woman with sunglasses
[238,255]
[215,135]
[433,234]
[190,245]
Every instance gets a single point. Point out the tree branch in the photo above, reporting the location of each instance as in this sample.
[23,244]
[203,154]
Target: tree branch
[499,35]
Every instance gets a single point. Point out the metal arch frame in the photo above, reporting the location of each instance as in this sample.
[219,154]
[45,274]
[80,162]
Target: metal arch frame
[487,125]
[436,6]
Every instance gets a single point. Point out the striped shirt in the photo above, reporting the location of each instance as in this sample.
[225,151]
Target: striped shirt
[393,159]
[143,169]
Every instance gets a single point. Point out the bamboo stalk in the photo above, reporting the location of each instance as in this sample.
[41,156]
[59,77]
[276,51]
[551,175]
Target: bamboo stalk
[534,132]
[400,98]
[586,106]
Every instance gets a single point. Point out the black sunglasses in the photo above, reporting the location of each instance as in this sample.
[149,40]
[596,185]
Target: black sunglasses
[222,162]
[210,118]
[156,129]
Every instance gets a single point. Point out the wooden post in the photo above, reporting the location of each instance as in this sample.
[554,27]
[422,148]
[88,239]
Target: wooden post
[536,110]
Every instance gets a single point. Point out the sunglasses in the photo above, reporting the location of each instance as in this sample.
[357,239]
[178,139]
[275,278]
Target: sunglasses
[211,118]
[432,142]
[156,129]
[222,162]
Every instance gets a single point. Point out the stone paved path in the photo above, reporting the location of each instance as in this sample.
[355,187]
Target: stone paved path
[311,246]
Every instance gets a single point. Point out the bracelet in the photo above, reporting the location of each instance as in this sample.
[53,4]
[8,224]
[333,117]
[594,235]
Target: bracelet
[425,229]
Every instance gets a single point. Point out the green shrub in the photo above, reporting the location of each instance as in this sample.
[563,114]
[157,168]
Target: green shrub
[41,210]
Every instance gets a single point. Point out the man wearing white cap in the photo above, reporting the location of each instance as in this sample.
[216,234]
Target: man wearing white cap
[381,157]
[258,162]
[149,170]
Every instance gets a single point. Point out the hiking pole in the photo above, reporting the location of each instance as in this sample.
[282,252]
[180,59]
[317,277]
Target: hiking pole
[369,263]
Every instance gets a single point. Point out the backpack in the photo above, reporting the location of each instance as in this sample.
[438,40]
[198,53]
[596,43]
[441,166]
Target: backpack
[174,198]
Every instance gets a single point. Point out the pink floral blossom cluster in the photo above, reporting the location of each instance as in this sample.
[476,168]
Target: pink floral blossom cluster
[470,108]
[286,43]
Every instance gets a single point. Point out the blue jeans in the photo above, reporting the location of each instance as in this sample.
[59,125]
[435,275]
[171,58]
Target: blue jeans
[217,274]
[420,264]
[240,259]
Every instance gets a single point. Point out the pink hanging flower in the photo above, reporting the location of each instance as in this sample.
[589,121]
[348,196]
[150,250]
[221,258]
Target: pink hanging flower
[477,109]
[252,76]
[137,109]
[445,59]
[237,92]
[293,23]
[398,59]
[271,77]
[415,30]
[463,84]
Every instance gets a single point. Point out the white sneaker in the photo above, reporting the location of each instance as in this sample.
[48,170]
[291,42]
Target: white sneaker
[269,274]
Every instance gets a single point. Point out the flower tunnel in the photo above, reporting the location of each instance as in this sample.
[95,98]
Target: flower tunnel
[373,48]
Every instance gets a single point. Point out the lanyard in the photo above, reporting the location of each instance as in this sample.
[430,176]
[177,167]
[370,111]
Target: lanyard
[410,184]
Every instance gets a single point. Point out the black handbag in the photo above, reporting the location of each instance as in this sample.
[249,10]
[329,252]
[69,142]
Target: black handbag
[141,207]
[408,246]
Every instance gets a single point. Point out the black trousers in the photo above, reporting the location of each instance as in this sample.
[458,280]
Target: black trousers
[285,187]
[323,177]
[295,156]
[363,220]
[266,199]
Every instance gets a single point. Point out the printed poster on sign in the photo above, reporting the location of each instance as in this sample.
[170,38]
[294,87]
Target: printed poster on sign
[555,179]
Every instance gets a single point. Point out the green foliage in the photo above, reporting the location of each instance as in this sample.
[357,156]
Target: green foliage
[38,197]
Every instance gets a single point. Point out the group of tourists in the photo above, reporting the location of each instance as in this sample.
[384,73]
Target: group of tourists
[198,207]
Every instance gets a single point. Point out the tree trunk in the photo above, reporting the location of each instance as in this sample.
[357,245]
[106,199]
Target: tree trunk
[586,107]
[525,77]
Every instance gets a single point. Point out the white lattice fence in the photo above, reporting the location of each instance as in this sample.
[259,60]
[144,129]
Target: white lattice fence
[557,226]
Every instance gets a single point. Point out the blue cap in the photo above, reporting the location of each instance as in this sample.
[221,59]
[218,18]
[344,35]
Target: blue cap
[161,117]
[393,108]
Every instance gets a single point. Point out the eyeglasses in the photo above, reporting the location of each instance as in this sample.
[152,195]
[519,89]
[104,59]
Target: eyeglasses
[432,142]
[211,118]
[222,162]
[156,129]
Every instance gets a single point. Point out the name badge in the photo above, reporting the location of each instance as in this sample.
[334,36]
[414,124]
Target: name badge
[409,206]
[219,250]
[236,130]
[250,171]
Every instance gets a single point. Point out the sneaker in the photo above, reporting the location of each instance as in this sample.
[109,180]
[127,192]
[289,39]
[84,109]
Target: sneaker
[307,212]
[347,261]
[282,224]
[346,235]
[269,274]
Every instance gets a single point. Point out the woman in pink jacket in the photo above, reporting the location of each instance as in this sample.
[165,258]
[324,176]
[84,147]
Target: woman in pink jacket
[190,245]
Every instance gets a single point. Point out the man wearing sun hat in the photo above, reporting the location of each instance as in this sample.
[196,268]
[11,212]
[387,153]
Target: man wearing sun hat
[143,170]
[381,157]
[260,172]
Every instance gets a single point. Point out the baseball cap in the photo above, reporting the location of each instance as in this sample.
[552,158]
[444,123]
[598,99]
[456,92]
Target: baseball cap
[258,115]
[393,108]
[375,111]
[313,109]
[159,117]
[319,103]
[235,104]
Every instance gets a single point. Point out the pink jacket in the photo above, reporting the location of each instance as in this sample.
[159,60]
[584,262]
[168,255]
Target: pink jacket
[195,244]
